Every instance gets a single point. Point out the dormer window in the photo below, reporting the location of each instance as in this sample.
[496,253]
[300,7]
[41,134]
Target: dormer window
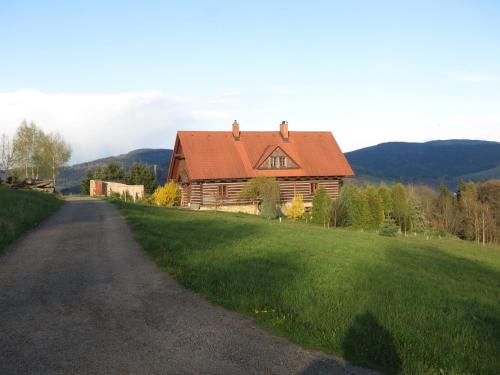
[276,158]
[274,161]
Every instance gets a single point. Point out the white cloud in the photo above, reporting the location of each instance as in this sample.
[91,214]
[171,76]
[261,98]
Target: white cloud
[479,78]
[100,125]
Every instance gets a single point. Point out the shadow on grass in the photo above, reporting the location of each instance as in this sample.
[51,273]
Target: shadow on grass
[446,301]
[367,343]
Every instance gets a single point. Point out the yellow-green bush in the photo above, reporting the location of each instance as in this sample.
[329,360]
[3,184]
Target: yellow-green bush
[167,195]
[296,209]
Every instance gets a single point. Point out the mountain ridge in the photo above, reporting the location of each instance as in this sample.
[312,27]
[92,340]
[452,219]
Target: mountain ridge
[432,162]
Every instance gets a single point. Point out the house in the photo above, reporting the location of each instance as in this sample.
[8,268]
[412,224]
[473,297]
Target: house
[109,188]
[212,166]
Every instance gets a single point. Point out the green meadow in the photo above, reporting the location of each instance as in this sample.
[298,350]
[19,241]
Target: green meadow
[398,305]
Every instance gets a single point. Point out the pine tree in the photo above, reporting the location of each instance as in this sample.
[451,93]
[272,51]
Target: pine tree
[143,174]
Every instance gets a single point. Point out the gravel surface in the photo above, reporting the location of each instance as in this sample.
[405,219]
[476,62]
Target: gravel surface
[77,295]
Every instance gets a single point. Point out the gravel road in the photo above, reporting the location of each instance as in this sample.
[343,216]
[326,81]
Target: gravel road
[77,296]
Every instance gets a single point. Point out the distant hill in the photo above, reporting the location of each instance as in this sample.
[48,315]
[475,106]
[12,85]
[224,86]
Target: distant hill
[69,179]
[448,161]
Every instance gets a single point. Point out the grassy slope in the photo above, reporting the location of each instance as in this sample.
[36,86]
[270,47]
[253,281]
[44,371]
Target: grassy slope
[393,304]
[22,210]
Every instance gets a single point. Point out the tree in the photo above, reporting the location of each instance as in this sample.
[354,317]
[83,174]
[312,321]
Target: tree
[85,182]
[385,198]
[417,219]
[56,152]
[342,208]
[27,147]
[446,213]
[112,172]
[360,209]
[321,207]
[296,209]
[142,174]
[6,156]
[389,228]
[167,195]
[269,207]
[400,206]
[488,193]
[259,189]
[375,207]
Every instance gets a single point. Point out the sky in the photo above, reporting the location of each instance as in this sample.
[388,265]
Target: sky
[119,75]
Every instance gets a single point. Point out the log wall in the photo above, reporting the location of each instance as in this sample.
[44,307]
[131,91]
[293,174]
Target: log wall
[207,193]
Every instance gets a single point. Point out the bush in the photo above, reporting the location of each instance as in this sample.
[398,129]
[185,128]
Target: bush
[296,209]
[168,195]
[322,204]
[389,228]
[269,207]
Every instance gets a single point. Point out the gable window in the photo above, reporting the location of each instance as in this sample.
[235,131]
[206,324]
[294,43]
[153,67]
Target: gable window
[222,190]
[314,187]
[274,161]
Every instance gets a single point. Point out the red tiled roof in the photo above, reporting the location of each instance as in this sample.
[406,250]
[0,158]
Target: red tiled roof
[214,155]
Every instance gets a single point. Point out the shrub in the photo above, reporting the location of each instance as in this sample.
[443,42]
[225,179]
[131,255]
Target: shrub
[258,188]
[389,228]
[168,195]
[321,210]
[269,207]
[296,209]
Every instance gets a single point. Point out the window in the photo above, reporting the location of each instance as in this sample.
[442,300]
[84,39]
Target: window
[282,162]
[222,190]
[274,161]
[314,187]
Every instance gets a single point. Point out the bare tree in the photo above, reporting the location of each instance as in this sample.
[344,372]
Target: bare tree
[6,156]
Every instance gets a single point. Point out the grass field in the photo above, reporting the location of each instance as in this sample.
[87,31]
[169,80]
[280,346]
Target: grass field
[22,210]
[393,304]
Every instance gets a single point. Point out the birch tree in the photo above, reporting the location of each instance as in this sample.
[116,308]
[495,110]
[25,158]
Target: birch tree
[6,156]
[27,147]
[56,153]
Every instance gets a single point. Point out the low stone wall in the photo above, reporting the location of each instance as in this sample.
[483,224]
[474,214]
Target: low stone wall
[246,209]
[108,188]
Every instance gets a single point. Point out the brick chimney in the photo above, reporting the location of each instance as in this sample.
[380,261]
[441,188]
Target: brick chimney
[236,130]
[284,130]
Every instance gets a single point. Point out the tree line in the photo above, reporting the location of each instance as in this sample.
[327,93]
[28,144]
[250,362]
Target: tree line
[137,174]
[32,154]
[471,213]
